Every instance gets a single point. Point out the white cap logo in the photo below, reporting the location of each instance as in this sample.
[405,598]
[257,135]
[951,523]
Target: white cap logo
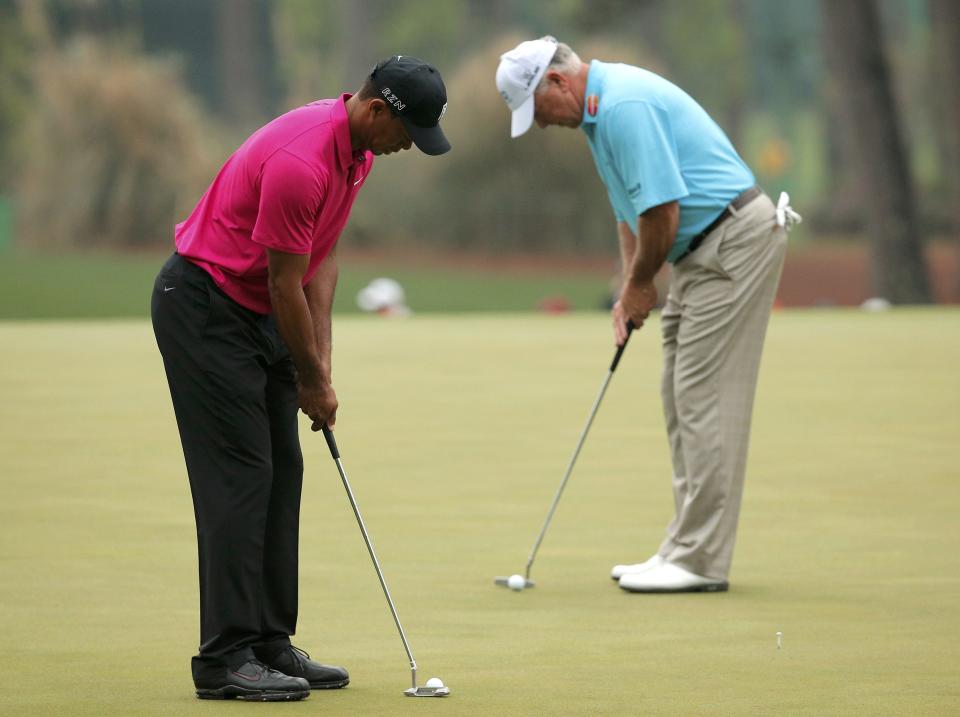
[518,75]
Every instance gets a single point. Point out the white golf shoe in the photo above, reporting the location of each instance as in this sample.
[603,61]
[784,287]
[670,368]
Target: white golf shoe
[619,571]
[670,578]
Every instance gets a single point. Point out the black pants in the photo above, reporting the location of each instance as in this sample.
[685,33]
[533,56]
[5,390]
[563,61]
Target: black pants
[234,393]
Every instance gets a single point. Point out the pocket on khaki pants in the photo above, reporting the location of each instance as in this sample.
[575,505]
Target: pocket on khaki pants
[707,256]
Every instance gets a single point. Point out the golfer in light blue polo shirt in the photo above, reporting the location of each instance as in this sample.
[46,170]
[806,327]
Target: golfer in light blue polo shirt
[653,144]
[680,194]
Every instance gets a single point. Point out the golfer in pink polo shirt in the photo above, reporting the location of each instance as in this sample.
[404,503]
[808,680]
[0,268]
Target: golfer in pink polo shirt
[241,314]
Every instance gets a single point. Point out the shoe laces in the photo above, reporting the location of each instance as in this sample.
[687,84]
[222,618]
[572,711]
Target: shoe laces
[300,650]
[265,667]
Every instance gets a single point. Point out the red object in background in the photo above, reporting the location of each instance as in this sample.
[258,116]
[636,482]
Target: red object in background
[554,305]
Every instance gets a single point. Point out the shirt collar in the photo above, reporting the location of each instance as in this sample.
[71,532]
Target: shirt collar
[341,134]
[591,96]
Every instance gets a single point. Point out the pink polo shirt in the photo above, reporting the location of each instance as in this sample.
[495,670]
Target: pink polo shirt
[289,187]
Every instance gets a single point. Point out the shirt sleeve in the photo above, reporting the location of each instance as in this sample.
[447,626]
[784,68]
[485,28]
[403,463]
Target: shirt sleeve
[644,154]
[618,212]
[291,196]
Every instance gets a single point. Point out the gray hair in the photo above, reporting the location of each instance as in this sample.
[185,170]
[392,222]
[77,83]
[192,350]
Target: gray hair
[565,61]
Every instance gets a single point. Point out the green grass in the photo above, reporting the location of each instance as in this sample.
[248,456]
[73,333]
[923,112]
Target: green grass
[455,432]
[109,285]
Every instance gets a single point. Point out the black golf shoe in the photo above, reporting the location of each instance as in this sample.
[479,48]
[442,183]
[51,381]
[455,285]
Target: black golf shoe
[297,663]
[255,682]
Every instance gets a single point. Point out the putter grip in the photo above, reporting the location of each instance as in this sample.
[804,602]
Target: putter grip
[621,347]
[331,442]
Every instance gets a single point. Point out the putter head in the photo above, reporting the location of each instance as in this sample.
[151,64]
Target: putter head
[505,582]
[427,691]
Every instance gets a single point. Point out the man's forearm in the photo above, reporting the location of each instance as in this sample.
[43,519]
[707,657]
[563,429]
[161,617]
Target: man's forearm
[320,293]
[296,327]
[656,230]
[628,248]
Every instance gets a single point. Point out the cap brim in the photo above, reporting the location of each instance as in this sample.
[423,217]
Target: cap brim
[429,140]
[522,118]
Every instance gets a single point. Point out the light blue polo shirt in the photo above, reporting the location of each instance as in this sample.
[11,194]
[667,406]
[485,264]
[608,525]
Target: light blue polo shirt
[652,144]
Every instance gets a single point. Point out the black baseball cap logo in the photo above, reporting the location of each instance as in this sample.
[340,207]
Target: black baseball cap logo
[416,94]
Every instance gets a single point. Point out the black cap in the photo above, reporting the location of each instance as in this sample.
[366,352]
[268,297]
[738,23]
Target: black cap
[415,93]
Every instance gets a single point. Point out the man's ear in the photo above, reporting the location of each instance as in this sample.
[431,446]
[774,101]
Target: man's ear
[376,107]
[558,78]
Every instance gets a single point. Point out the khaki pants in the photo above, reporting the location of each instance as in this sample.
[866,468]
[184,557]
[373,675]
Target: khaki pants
[714,324]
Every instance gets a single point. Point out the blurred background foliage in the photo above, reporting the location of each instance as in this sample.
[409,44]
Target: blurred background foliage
[115,114]
[109,161]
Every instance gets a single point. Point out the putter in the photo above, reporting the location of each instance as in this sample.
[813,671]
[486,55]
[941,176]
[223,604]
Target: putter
[528,583]
[413,691]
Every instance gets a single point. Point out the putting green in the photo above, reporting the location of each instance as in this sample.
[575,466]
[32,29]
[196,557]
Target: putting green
[455,432]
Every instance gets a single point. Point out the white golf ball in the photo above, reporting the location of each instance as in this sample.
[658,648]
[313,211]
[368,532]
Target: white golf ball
[516,582]
[434,682]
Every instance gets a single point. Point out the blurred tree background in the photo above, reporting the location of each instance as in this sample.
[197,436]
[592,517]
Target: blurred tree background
[115,114]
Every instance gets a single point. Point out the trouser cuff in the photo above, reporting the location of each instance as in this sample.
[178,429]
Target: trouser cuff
[267,651]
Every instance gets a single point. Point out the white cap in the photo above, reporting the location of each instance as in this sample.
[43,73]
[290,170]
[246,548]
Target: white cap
[518,75]
[381,294]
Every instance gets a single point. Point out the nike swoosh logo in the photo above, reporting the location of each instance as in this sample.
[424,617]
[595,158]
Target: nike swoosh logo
[358,181]
[168,288]
[251,678]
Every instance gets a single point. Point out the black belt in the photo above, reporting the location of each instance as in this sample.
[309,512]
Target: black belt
[739,202]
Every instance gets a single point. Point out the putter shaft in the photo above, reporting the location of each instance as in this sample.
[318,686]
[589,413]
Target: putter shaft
[331,442]
[566,475]
[576,452]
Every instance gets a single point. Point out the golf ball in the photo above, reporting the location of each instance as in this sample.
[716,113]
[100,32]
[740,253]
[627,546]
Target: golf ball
[434,682]
[516,582]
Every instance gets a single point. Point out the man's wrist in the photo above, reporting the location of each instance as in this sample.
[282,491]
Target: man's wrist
[315,375]
[639,282]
